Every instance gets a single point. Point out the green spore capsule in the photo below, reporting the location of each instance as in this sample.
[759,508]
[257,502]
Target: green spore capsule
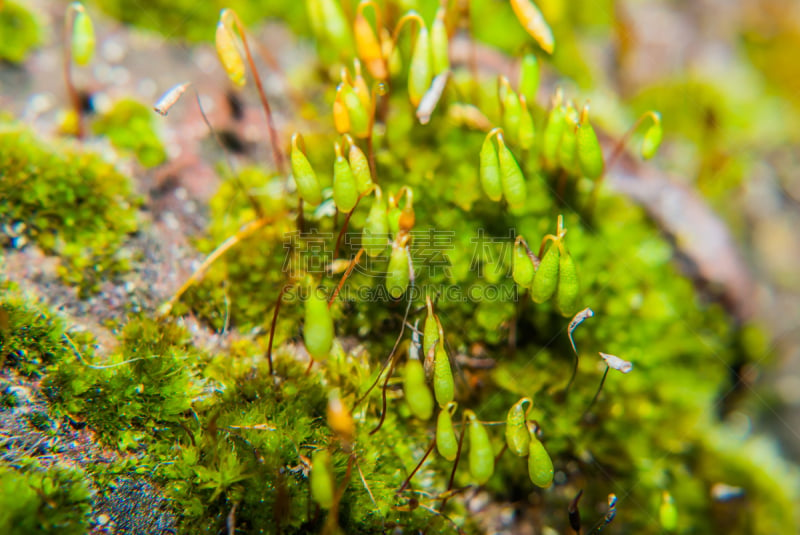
[512,115]
[356,112]
[529,77]
[517,435]
[335,26]
[397,275]
[420,71]
[522,269]
[439,43]
[513,181]
[443,383]
[652,139]
[304,176]
[527,132]
[568,286]
[490,170]
[568,147]
[83,39]
[590,155]
[360,166]
[430,332]
[553,130]
[345,192]
[418,395]
[322,479]
[481,454]
[375,236]
[540,466]
[318,331]
[668,513]
[545,280]
[446,441]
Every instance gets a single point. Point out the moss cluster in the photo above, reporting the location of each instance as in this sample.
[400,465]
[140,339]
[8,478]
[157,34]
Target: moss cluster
[130,126]
[72,203]
[211,434]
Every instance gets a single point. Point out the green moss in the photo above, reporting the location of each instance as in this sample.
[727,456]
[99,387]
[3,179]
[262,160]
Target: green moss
[131,127]
[55,500]
[20,30]
[71,203]
[30,340]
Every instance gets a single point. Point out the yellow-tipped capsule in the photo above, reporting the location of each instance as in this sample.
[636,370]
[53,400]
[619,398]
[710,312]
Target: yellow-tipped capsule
[83,39]
[556,123]
[341,119]
[418,395]
[304,176]
[590,155]
[368,46]
[540,466]
[318,330]
[356,112]
[668,513]
[397,276]
[545,280]
[517,436]
[652,138]
[339,418]
[481,454]
[360,87]
[446,441]
[375,236]
[527,133]
[228,53]
[443,383]
[511,177]
[420,71]
[522,269]
[533,21]
[322,479]
[345,194]
[439,43]
[568,286]
[490,170]
[529,77]
[430,332]
[360,166]
[568,148]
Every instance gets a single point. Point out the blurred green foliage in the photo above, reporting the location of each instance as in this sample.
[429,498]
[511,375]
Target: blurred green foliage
[22,24]
[131,126]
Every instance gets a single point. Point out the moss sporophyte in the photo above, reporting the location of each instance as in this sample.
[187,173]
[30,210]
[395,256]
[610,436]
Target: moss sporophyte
[412,174]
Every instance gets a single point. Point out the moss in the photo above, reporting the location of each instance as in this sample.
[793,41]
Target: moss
[21,32]
[71,203]
[30,340]
[38,500]
[131,127]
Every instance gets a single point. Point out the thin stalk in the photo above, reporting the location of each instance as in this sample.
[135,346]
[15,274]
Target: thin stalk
[596,394]
[259,211]
[390,359]
[455,463]
[277,153]
[347,272]
[245,232]
[273,324]
[416,468]
[615,154]
[74,98]
[343,230]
